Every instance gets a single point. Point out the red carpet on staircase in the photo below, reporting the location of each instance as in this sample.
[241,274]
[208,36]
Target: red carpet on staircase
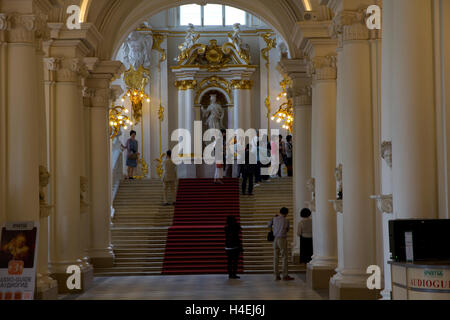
[196,241]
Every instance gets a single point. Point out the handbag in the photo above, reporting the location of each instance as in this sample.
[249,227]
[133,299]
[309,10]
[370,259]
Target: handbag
[270,236]
[133,156]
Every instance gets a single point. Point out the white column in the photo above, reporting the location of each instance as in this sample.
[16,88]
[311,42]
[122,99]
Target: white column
[3,127]
[181,108]
[386,134]
[242,104]
[100,249]
[66,221]
[321,268]
[301,161]
[189,110]
[358,223]
[413,111]
[22,140]
[23,132]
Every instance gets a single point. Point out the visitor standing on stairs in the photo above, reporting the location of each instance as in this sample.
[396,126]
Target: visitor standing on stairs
[169,178]
[280,227]
[248,171]
[132,154]
[304,231]
[288,149]
[233,246]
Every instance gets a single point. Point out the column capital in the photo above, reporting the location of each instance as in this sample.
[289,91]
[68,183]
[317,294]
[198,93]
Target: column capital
[241,84]
[350,25]
[323,67]
[184,85]
[22,28]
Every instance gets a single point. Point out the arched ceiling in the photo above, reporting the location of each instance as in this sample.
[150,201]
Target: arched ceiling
[115,19]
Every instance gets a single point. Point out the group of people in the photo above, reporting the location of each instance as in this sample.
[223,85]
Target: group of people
[251,173]
[279,226]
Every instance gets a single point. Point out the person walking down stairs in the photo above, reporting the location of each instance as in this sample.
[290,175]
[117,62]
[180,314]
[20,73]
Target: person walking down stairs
[280,228]
[169,179]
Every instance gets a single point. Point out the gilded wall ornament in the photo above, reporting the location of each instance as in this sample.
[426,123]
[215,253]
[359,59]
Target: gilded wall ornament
[241,84]
[213,82]
[186,84]
[136,81]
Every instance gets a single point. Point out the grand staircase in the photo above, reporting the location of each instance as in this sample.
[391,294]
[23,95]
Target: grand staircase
[256,213]
[141,223]
[139,229]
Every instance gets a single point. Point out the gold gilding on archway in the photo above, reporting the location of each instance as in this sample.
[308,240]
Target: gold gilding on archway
[213,82]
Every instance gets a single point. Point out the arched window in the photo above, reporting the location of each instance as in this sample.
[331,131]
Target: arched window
[211,15]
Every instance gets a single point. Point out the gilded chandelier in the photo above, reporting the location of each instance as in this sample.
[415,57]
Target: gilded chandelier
[118,119]
[285,113]
[136,80]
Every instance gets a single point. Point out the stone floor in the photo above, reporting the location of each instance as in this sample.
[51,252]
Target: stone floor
[198,287]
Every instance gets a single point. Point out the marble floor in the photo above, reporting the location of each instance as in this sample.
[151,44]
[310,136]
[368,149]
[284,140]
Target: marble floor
[199,287]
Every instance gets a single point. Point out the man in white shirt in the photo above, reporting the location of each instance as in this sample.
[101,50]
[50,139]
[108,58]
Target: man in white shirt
[169,178]
[280,228]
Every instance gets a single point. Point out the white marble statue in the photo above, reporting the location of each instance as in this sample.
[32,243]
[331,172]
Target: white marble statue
[236,39]
[137,50]
[214,114]
[190,39]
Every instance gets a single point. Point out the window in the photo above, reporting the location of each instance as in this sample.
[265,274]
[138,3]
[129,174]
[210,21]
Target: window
[233,15]
[211,15]
[191,13]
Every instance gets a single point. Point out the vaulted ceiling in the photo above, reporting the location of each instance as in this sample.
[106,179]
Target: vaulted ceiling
[115,19]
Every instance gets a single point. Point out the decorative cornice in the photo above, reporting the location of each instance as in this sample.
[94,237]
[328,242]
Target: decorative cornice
[186,84]
[241,84]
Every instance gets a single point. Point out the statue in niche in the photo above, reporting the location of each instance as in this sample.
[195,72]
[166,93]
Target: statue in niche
[190,39]
[137,49]
[214,114]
